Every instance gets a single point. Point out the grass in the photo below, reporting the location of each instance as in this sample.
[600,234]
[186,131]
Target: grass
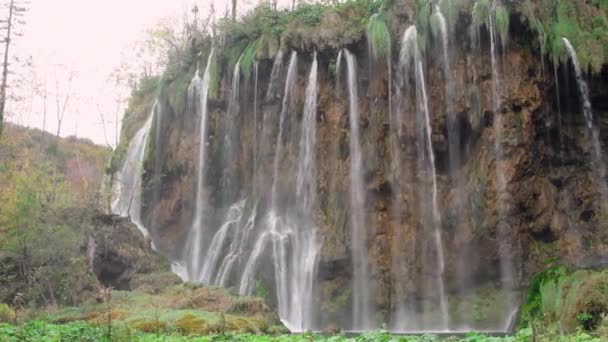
[186,308]
[84,332]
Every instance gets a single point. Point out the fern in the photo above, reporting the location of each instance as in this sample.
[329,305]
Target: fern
[248,57]
[378,36]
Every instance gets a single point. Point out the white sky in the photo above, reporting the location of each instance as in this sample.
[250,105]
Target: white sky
[89,37]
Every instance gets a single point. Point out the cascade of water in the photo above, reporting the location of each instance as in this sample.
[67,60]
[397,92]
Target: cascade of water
[286,108]
[294,240]
[277,66]
[157,174]
[255,124]
[280,230]
[306,177]
[410,61]
[453,131]
[129,181]
[237,246]
[198,89]
[233,217]
[230,149]
[361,287]
[588,113]
[401,319]
[298,306]
[505,237]
[247,280]
[582,85]
[437,240]
[229,177]
[338,71]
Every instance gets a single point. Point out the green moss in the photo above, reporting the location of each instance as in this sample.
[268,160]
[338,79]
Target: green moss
[583,24]
[190,324]
[571,299]
[502,24]
[378,36]
[248,57]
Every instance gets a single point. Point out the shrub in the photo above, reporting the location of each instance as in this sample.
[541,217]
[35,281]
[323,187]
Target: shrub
[7,315]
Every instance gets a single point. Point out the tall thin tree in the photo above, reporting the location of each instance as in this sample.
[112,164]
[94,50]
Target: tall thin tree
[15,14]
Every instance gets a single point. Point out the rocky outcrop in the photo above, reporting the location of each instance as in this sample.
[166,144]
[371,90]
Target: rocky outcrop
[119,255]
[550,204]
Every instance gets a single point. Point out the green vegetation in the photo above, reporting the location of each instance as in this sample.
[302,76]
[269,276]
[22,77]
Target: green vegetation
[583,23]
[501,15]
[158,305]
[49,189]
[568,300]
[379,37]
[7,315]
[81,331]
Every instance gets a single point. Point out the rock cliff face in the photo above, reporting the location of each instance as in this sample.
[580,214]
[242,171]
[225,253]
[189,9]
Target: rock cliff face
[549,204]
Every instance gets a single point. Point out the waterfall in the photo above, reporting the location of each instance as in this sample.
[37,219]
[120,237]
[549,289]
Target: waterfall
[281,230]
[230,147]
[306,176]
[277,66]
[198,90]
[299,304]
[582,85]
[338,71]
[361,293]
[128,185]
[583,91]
[290,232]
[402,318]
[438,243]
[247,280]
[410,61]
[255,124]
[238,244]
[453,130]
[290,83]
[505,238]
[229,189]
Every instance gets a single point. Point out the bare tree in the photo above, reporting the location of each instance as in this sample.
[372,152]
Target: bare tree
[62,100]
[16,10]
[45,94]
[103,125]
[233,9]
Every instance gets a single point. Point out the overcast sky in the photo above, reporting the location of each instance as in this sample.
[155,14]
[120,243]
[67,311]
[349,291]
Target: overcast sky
[88,37]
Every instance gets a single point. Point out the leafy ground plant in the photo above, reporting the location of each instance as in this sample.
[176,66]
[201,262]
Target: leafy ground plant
[84,332]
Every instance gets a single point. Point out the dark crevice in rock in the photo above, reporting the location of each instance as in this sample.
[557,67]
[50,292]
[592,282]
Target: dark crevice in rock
[545,235]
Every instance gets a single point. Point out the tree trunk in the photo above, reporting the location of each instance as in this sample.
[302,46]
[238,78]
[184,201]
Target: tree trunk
[44,112]
[7,44]
[233,9]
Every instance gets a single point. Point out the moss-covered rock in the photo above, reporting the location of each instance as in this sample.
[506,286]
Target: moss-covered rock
[572,299]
